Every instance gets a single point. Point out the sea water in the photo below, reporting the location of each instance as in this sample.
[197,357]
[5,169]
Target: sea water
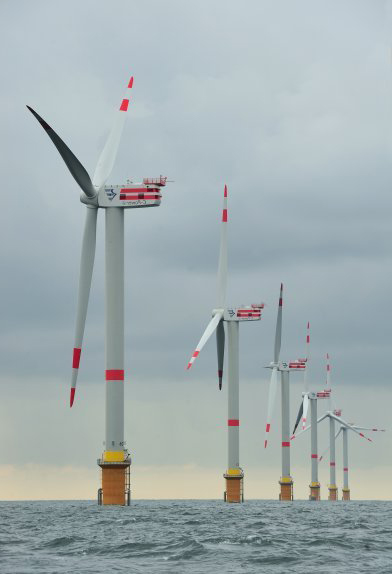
[180,536]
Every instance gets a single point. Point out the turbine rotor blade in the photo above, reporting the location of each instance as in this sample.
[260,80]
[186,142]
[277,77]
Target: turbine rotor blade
[77,170]
[108,155]
[271,402]
[212,325]
[299,416]
[86,271]
[220,347]
[278,331]
[306,378]
[305,411]
[222,265]
[351,427]
[369,429]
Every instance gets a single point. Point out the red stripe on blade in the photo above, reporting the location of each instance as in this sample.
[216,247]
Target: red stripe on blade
[233,423]
[72,397]
[130,82]
[225,192]
[224,216]
[115,375]
[76,358]
[124,105]
[267,427]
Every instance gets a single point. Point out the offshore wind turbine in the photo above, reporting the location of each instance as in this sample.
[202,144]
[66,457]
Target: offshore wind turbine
[114,199]
[286,480]
[344,429]
[332,437]
[232,317]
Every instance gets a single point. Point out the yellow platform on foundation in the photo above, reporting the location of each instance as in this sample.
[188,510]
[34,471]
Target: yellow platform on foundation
[314,491]
[114,456]
[333,492]
[345,494]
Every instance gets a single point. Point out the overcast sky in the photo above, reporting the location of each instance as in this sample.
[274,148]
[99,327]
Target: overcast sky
[288,103]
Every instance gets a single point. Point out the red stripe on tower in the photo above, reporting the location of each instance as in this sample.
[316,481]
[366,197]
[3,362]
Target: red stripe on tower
[332,464]
[124,105]
[114,375]
[233,423]
[285,444]
[314,456]
[345,469]
[76,358]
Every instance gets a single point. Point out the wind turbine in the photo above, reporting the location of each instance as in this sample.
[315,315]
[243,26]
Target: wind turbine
[332,437]
[232,317]
[114,199]
[344,429]
[286,480]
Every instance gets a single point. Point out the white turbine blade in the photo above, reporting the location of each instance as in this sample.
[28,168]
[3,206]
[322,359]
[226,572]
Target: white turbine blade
[109,152]
[86,271]
[306,378]
[212,325]
[308,427]
[271,402]
[305,411]
[299,416]
[293,436]
[369,429]
[278,331]
[351,427]
[77,170]
[222,265]
[220,347]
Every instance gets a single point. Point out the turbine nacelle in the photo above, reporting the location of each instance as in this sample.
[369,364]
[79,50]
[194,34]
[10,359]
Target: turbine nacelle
[243,313]
[129,195]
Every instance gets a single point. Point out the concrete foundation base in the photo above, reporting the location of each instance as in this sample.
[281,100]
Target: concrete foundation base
[314,491]
[345,494]
[286,490]
[234,488]
[333,492]
[115,483]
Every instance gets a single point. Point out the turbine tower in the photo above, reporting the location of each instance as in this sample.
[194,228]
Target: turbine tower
[232,317]
[286,480]
[114,199]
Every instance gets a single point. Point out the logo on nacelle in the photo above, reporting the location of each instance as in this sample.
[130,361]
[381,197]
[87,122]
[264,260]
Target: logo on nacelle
[110,193]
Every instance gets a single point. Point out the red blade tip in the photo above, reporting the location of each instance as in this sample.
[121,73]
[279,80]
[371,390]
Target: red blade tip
[72,397]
